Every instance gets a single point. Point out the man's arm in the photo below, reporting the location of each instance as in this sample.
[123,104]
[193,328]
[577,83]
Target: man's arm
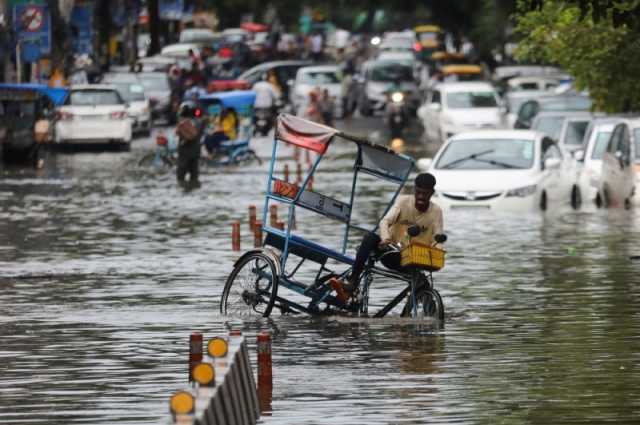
[389,220]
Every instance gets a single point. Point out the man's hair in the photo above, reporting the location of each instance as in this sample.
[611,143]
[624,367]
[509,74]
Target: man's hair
[425,181]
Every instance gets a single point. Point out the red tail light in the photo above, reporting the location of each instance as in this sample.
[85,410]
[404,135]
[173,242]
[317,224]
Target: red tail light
[161,141]
[198,113]
[64,116]
[417,46]
[120,115]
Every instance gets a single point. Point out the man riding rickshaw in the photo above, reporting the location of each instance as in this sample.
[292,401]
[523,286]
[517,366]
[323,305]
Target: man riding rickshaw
[270,277]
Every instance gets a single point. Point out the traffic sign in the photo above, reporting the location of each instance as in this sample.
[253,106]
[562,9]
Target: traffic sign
[32,24]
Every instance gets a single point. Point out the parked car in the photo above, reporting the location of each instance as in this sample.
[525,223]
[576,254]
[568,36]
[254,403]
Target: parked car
[512,170]
[157,89]
[94,113]
[376,79]
[132,92]
[180,50]
[618,182]
[573,131]
[285,72]
[532,83]
[514,99]
[309,78]
[453,108]
[200,36]
[567,102]
[589,156]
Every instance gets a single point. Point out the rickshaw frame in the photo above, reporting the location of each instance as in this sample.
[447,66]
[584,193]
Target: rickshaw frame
[371,159]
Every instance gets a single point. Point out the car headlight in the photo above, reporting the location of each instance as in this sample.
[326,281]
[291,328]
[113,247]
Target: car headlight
[397,97]
[522,192]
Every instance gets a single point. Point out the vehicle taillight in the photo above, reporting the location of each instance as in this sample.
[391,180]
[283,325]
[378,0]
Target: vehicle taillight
[120,115]
[198,113]
[417,46]
[65,116]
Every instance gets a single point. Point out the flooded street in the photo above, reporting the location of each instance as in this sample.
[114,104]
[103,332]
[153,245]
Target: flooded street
[106,268]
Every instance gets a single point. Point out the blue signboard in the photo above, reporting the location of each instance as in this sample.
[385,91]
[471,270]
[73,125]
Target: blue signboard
[170,10]
[81,22]
[32,24]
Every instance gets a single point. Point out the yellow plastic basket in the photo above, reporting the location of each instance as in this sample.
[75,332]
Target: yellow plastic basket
[422,256]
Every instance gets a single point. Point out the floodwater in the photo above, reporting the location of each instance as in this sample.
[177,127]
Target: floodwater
[105,270]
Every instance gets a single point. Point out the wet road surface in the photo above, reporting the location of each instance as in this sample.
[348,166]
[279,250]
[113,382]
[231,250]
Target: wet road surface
[106,268]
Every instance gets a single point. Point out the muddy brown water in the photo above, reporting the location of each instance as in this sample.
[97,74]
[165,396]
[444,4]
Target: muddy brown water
[105,270]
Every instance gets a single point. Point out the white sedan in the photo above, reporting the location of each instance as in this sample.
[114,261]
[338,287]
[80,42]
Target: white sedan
[515,170]
[453,108]
[323,77]
[93,114]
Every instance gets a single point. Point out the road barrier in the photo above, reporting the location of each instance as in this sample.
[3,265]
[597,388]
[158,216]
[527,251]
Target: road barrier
[224,389]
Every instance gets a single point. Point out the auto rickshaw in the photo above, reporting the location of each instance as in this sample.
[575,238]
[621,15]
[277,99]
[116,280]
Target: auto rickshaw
[429,39]
[233,110]
[462,73]
[27,117]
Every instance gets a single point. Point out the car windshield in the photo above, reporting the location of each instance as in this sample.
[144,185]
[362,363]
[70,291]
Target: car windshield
[392,72]
[320,77]
[462,100]
[602,140]
[575,132]
[551,126]
[153,82]
[487,154]
[94,97]
[131,92]
[122,77]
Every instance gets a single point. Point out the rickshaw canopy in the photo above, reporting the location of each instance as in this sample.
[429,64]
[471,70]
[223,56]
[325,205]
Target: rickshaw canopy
[27,92]
[427,28]
[461,70]
[240,100]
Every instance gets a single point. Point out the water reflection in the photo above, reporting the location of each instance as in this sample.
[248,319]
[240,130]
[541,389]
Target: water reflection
[106,269]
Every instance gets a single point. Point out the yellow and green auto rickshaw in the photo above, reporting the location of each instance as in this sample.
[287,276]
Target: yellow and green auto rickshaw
[429,39]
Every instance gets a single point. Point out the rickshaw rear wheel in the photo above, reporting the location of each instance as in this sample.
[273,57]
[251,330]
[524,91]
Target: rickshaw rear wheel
[251,287]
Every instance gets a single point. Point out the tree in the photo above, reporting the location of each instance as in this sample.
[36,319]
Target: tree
[597,42]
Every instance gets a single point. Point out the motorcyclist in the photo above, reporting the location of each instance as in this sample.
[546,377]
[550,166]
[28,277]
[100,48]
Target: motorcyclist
[395,111]
[266,99]
[189,131]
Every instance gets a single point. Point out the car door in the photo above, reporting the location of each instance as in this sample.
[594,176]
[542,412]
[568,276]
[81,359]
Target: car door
[553,184]
[611,165]
[624,154]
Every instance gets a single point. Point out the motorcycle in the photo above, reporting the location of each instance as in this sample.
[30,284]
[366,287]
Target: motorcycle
[263,120]
[396,114]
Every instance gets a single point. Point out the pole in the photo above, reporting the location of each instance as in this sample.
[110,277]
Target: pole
[18,62]
[265,376]
[195,352]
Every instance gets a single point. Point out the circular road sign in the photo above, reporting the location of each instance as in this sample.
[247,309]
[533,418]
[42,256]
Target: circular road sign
[32,19]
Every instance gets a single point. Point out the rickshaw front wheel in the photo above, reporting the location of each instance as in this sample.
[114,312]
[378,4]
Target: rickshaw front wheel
[251,287]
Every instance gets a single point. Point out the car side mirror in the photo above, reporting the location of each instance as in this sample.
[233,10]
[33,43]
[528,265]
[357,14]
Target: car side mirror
[578,155]
[424,163]
[552,163]
[440,238]
[290,83]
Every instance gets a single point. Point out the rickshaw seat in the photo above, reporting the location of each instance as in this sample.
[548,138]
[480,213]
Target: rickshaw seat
[305,248]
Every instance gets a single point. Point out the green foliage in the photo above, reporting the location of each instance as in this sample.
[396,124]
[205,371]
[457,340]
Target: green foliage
[602,56]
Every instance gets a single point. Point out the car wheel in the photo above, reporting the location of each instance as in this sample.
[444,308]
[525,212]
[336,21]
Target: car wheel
[627,204]
[543,201]
[598,200]
[576,198]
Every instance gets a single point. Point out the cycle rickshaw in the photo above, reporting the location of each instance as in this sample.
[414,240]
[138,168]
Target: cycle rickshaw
[260,276]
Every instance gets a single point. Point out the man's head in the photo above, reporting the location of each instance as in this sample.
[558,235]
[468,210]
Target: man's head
[424,187]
